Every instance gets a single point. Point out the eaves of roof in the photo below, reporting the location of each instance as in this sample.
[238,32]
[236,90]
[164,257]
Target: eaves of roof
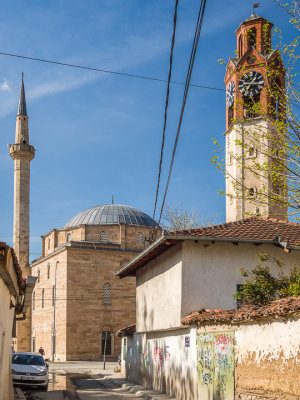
[168,240]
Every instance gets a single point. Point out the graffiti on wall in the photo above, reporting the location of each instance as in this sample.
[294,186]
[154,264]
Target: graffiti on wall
[215,364]
[157,356]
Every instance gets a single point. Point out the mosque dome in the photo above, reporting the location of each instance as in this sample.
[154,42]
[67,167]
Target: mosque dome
[111,214]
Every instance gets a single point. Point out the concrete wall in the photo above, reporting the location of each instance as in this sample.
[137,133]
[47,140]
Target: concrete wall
[212,271]
[158,291]
[162,361]
[267,358]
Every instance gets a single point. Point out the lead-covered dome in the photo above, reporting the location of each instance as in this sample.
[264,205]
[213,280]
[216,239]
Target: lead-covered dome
[110,214]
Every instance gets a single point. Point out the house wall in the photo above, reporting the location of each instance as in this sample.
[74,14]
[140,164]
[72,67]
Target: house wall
[6,322]
[162,361]
[211,272]
[158,291]
[267,357]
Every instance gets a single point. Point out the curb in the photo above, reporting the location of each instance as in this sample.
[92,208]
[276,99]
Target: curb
[139,390]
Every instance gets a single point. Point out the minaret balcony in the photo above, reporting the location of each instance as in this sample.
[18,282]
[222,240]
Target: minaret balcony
[21,150]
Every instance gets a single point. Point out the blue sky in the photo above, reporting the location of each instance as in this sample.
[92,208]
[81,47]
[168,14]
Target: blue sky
[99,135]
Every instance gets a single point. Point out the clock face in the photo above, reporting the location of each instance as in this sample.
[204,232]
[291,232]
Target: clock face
[251,84]
[230,94]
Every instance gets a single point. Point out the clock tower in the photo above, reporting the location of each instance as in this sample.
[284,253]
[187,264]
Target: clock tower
[255,81]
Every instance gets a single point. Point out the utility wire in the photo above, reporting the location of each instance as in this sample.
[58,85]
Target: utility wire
[166,108]
[107,71]
[186,89]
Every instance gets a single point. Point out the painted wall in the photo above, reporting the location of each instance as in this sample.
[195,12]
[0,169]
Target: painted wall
[158,291]
[164,361]
[211,272]
[267,357]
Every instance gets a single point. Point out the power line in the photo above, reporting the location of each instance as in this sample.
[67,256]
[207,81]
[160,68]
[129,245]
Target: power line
[186,89]
[166,108]
[107,71]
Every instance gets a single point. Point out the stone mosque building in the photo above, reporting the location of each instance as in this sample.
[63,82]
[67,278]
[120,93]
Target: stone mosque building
[78,304]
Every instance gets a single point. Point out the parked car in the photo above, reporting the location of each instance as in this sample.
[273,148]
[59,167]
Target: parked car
[29,369]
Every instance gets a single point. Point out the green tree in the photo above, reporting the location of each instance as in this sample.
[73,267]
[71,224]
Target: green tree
[262,286]
[179,218]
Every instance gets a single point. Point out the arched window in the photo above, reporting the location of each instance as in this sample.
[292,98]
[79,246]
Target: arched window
[43,298]
[252,152]
[69,237]
[252,192]
[106,294]
[103,236]
[230,115]
[251,106]
[240,46]
[38,276]
[252,37]
[53,294]
[33,301]
[139,238]
[48,271]
[106,343]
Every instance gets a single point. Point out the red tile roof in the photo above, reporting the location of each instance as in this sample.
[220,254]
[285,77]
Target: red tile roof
[282,307]
[253,229]
[128,330]
[250,228]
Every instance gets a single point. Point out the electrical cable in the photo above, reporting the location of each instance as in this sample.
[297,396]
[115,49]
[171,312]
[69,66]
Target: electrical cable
[186,89]
[166,108]
[107,71]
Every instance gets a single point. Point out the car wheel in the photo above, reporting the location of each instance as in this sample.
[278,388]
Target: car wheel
[45,388]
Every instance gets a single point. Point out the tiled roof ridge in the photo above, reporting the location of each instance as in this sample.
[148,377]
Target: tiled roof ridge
[280,307]
[225,225]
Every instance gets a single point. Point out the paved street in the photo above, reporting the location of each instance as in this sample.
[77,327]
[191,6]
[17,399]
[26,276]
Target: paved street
[87,380]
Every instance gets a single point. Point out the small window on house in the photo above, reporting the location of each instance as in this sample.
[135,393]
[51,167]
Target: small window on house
[106,343]
[53,294]
[43,298]
[252,37]
[103,236]
[140,238]
[33,301]
[38,276]
[48,271]
[106,294]
[239,303]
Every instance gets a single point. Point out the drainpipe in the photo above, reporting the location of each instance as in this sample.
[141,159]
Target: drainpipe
[54,304]
[243,173]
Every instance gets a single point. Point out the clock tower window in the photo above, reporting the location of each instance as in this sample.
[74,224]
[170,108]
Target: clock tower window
[241,46]
[252,37]
[249,105]
[230,115]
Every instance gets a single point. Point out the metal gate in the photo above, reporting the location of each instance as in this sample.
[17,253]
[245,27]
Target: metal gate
[215,364]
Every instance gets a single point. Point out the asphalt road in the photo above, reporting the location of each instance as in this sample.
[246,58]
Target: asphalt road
[84,380]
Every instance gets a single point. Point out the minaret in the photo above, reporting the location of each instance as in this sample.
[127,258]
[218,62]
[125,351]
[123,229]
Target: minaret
[251,134]
[22,153]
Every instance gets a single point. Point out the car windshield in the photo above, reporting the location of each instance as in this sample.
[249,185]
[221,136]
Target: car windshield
[27,359]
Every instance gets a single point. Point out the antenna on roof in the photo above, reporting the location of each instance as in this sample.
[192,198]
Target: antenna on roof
[112,199]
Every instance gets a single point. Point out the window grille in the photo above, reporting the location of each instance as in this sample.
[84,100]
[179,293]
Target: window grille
[103,236]
[107,294]
[140,238]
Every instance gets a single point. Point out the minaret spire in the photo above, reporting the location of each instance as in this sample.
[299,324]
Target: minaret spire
[22,153]
[22,110]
